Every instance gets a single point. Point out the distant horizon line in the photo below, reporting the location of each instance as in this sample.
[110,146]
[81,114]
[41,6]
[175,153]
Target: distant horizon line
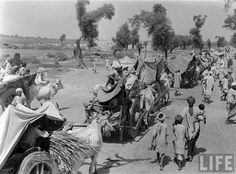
[98,39]
[43,37]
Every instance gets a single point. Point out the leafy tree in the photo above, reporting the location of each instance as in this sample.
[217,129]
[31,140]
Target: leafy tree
[134,37]
[209,44]
[122,39]
[221,42]
[158,26]
[62,38]
[195,32]
[174,43]
[183,41]
[88,21]
[233,40]
[228,4]
[230,22]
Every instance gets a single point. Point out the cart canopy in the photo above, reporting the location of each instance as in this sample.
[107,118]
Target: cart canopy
[15,120]
[149,72]
[105,95]
[178,62]
[127,62]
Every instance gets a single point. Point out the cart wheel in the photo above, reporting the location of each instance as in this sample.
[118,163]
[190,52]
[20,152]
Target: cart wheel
[38,162]
[7,97]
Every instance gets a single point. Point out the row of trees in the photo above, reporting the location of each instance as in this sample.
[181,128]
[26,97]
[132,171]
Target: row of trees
[230,24]
[155,22]
[125,37]
[158,27]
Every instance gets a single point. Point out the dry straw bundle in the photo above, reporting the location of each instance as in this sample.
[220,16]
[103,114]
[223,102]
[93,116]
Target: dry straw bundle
[68,150]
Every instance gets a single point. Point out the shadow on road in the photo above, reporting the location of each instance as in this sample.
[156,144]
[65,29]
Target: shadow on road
[199,150]
[166,161]
[180,99]
[231,122]
[118,161]
[64,108]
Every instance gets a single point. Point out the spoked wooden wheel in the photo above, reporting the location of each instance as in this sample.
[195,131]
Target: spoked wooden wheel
[38,163]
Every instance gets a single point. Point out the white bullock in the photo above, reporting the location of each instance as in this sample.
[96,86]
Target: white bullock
[44,92]
[93,136]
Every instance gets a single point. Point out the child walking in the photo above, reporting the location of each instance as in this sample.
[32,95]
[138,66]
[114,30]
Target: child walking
[201,116]
[94,66]
[159,140]
[181,137]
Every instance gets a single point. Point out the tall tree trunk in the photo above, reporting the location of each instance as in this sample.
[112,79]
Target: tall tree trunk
[139,51]
[79,56]
[166,53]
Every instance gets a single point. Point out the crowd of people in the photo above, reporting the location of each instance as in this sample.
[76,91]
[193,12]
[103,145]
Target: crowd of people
[186,130]
[186,126]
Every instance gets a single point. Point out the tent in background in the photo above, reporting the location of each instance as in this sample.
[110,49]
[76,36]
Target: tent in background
[178,62]
[127,62]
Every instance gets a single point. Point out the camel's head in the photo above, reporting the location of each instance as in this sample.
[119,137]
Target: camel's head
[59,84]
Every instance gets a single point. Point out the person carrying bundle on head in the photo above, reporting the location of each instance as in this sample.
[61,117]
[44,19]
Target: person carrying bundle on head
[115,76]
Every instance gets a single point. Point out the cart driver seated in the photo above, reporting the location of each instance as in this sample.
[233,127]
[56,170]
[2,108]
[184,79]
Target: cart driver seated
[115,76]
[41,77]
[30,137]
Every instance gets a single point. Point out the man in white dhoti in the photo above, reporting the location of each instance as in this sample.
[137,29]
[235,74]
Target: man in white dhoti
[209,87]
[177,81]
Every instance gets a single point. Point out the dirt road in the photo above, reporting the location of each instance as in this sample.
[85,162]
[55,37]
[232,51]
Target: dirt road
[133,156]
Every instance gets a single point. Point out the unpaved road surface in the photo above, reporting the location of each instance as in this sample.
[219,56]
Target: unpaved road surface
[133,156]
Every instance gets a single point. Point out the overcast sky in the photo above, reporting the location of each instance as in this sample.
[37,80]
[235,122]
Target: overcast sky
[53,18]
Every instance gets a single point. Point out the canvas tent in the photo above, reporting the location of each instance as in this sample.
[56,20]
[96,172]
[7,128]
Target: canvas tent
[127,62]
[178,62]
[15,120]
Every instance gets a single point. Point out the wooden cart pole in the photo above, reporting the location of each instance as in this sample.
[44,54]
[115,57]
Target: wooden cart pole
[121,126]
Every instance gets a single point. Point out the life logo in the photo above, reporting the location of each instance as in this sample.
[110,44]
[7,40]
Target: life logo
[216,163]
